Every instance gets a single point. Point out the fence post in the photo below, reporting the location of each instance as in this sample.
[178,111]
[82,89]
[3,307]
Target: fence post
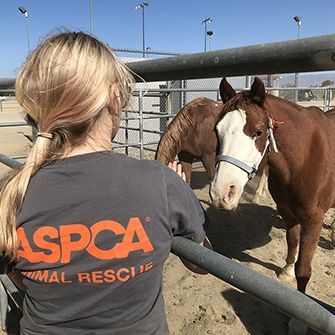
[328,98]
[126,134]
[247,82]
[163,107]
[140,105]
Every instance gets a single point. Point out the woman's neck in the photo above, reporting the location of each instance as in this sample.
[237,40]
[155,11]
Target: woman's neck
[98,139]
[84,149]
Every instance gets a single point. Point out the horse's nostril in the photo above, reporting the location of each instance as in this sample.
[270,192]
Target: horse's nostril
[229,197]
[231,190]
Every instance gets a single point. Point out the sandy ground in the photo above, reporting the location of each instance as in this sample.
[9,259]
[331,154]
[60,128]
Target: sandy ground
[12,140]
[253,235]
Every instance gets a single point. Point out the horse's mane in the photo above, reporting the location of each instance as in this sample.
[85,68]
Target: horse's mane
[170,143]
[330,113]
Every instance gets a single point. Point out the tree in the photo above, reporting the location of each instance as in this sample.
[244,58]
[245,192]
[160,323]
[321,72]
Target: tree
[327,83]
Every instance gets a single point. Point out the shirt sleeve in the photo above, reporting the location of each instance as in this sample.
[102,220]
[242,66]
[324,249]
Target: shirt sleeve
[187,217]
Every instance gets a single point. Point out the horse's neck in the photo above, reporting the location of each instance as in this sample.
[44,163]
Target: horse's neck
[168,148]
[288,123]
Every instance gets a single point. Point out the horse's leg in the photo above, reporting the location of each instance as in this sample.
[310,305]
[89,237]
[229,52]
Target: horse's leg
[309,238]
[292,240]
[332,234]
[186,161]
[260,191]
[209,164]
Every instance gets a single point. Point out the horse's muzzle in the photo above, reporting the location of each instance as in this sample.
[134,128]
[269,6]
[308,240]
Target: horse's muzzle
[226,198]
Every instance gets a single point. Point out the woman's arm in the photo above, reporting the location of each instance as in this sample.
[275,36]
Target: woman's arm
[194,268]
[206,243]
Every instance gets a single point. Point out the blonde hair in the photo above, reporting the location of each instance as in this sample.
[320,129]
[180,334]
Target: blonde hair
[64,86]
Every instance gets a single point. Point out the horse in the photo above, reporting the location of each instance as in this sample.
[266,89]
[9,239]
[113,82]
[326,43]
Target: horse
[298,145]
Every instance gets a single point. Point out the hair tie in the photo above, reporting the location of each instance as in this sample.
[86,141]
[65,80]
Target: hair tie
[45,135]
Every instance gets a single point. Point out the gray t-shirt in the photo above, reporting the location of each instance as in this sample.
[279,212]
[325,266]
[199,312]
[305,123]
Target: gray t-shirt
[94,232]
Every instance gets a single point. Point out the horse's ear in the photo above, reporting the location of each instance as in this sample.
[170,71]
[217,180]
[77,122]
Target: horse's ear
[226,91]
[257,91]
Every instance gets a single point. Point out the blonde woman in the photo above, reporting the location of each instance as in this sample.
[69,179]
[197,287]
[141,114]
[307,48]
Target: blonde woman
[88,229]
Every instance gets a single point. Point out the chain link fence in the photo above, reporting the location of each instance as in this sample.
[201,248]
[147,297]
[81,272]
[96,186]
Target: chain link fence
[154,105]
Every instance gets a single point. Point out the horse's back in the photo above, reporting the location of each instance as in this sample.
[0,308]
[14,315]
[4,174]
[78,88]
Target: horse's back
[202,108]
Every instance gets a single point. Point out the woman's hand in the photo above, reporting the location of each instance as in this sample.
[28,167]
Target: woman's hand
[177,168]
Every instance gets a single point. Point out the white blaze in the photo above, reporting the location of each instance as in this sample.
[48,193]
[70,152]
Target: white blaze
[229,180]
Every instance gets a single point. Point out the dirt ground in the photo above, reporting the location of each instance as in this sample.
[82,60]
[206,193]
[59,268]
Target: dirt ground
[253,235]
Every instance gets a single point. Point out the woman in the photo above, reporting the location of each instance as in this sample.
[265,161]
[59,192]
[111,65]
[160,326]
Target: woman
[89,230]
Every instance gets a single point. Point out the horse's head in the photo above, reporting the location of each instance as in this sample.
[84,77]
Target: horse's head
[242,131]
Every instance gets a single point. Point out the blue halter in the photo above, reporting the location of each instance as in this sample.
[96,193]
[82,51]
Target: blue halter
[251,171]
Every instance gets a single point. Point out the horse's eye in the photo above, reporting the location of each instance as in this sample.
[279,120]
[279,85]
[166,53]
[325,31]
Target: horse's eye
[258,133]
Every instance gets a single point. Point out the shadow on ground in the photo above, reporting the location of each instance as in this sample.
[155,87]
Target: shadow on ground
[252,312]
[199,180]
[249,227]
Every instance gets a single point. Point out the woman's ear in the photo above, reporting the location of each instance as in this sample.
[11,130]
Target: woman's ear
[114,109]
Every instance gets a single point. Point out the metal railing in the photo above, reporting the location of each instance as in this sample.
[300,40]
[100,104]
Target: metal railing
[147,139]
[303,55]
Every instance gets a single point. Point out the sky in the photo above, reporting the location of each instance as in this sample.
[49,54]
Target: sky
[170,25]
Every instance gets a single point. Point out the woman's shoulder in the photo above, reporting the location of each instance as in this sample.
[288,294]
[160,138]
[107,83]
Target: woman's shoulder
[136,161]
[146,167]
[143,166]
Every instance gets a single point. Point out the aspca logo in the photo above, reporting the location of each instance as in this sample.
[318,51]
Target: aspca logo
[59,243]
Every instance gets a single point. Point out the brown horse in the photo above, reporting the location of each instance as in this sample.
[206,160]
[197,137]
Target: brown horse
[299,146]
[191,135]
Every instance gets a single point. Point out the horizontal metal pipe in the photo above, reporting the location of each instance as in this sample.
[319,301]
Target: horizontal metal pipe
[19,156]
[144,130]
[13,124]
[7,83]
[191,90]
[301,55]
[165,116]
[145,52]
[329,308]
[281,297]
[149,149]
[10,162]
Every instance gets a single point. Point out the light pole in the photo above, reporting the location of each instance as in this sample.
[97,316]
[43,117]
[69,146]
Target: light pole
[142,6]
[205,22]
[91,9]
[147,49]
[25,13]
[296,75]
[210,34]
